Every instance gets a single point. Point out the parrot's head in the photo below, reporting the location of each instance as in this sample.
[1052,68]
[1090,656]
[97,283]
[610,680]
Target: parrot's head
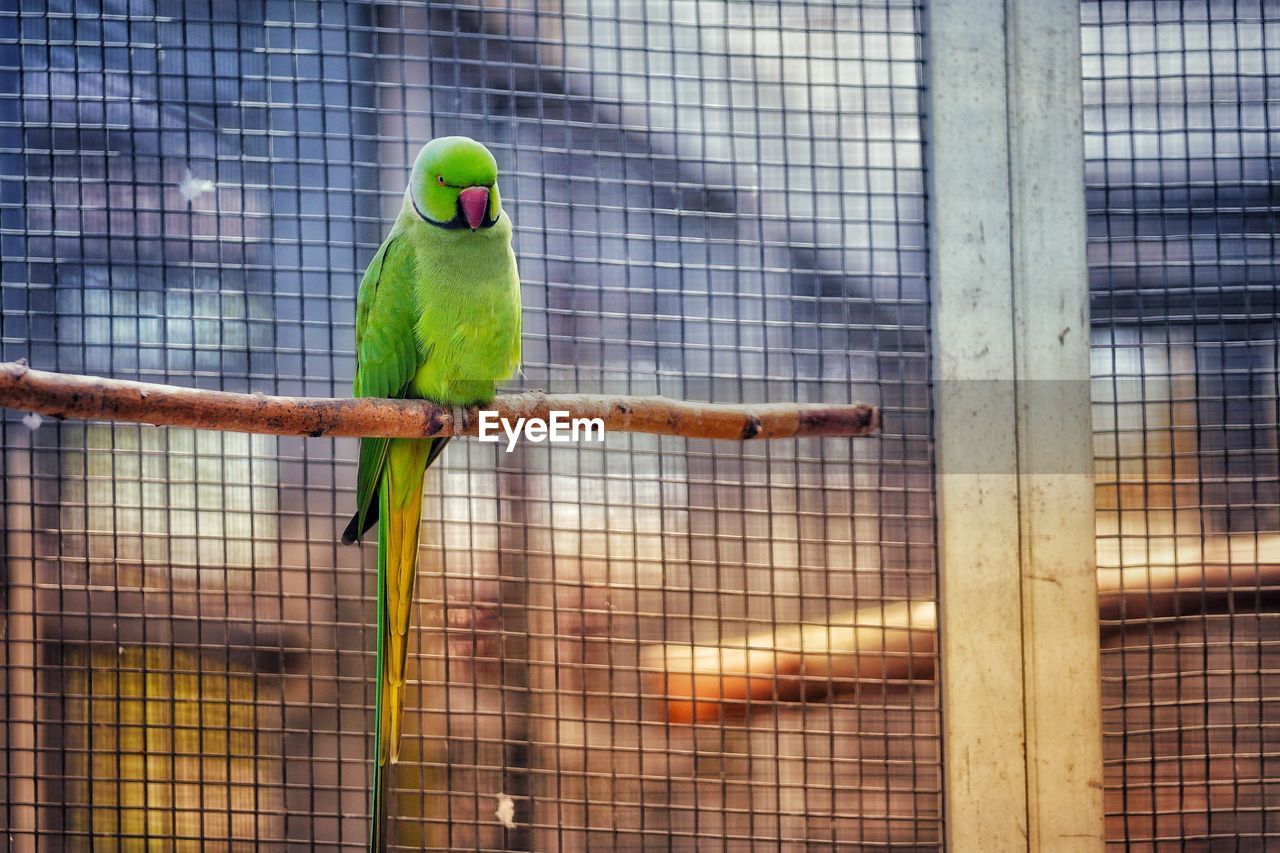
[454,184]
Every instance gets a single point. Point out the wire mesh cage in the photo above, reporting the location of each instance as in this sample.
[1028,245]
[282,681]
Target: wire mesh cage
[1179,134]
[720,202]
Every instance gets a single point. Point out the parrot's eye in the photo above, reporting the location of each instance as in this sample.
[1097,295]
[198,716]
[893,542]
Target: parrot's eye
[440,180]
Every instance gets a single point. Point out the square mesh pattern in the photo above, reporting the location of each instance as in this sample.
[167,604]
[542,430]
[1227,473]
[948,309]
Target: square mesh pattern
[714,201]
[1180,122]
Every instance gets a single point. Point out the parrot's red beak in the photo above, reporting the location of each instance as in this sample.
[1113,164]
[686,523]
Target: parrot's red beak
[475,205]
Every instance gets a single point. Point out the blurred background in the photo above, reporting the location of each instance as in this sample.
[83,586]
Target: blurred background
[1181,132]
[713,200]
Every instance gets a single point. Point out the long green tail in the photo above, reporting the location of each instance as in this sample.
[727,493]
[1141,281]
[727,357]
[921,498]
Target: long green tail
[378,808]
[399,523]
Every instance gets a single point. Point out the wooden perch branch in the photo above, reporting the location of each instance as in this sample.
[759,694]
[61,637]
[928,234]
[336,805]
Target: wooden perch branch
[881,643]
[895,642]
[64,395]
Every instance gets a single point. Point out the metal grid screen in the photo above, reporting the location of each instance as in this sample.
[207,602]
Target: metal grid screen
[714,201]
[1180,124]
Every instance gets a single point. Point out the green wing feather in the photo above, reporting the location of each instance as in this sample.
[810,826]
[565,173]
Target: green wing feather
[387,356]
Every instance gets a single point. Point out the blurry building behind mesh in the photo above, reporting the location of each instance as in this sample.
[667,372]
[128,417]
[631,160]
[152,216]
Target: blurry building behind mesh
[1179,141]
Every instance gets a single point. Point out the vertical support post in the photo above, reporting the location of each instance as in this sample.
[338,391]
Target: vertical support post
[20,651]
[1022,735]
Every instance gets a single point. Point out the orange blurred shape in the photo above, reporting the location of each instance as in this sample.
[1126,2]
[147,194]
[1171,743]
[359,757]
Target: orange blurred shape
[702,683]
[1137,579]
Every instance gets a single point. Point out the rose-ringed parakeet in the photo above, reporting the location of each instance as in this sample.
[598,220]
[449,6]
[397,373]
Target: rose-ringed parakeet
[437,318]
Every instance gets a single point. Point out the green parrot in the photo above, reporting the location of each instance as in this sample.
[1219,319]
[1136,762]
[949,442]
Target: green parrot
[437,318]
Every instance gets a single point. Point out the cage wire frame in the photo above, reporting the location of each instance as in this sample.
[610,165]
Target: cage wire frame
[1018,590]
[264,152]
[1180,147]
[1021,720]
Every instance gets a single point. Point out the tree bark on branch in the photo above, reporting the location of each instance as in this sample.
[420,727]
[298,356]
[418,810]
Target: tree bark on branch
[64,395]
